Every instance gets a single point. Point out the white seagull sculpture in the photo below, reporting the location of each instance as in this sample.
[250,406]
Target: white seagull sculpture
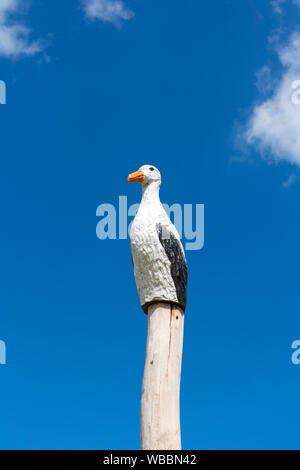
[159,262]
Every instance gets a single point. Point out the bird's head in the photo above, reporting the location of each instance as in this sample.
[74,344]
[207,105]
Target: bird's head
[146,174]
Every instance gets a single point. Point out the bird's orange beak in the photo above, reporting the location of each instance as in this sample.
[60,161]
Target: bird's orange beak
[138,177]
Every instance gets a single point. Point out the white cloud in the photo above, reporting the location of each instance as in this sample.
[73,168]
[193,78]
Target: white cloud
[14,36]
[6,7]
[274,125]
[111,11]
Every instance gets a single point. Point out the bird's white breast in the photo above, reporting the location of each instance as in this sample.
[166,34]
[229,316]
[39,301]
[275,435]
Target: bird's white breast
[151,264]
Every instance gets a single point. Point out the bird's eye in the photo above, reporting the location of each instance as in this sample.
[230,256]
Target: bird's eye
[151,168]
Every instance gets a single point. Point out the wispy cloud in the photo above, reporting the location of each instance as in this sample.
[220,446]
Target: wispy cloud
[14,35]
[290,181]
[273,127]
[279,4]
[109,11]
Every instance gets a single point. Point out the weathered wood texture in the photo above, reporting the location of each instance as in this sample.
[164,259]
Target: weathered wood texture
[160,405]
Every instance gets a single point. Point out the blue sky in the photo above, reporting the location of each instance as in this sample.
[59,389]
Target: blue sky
[94,91]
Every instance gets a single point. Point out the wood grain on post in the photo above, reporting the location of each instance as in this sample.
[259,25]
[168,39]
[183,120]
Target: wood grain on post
[160,405]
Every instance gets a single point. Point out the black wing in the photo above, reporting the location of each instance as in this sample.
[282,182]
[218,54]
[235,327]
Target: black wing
[178,263]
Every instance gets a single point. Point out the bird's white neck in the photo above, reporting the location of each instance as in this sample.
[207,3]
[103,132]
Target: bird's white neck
[151,193]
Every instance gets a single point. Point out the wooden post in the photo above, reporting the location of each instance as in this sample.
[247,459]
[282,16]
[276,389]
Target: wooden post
[160,405]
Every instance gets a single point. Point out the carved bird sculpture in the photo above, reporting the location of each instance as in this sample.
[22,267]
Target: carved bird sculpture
[159,261]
